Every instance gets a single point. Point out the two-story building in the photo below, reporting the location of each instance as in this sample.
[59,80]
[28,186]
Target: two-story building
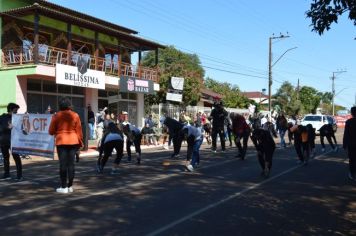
[49,51]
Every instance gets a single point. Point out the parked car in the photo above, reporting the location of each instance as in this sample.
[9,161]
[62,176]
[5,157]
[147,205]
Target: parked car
[317,121]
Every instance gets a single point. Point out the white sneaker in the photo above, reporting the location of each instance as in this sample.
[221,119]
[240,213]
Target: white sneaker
[70,190]
[190,168]
[62,190]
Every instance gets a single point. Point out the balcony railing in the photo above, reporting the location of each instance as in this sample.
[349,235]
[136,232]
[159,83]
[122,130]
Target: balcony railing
[51,56]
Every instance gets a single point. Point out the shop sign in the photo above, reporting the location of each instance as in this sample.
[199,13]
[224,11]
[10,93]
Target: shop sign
[80,76]
[29,135]
[175,90]
[132,85]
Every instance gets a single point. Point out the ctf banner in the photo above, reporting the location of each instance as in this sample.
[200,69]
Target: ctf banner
[29,135]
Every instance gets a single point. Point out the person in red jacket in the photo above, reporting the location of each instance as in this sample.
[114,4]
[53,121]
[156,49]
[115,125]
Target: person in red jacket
[241,130]
[67,129]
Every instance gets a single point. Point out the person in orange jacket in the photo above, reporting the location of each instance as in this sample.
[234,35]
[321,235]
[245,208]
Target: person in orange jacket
[66,127]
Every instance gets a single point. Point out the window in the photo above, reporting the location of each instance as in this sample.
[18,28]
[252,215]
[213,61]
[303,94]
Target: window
[312,118]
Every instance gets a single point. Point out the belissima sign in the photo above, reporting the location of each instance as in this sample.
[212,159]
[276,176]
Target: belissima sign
[80,76]
[132,85]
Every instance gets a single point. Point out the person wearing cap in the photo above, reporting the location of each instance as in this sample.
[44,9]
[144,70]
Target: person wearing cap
[5,142]
[67,129]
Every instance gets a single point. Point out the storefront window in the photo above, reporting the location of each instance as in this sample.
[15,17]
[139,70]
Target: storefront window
[64,89]
[44,93]
[78,90]
[49,86]
[34,85]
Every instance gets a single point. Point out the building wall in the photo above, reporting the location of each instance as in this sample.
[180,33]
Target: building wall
[12,87]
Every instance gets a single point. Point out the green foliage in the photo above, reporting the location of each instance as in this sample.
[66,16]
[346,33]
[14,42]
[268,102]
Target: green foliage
[173,62]
[323,13]
[310,98]
[232,94]
[287,98]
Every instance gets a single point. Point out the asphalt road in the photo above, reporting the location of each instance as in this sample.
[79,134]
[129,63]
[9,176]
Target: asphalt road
[224,196]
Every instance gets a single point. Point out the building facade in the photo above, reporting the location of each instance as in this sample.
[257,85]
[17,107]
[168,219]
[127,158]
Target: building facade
[48,52]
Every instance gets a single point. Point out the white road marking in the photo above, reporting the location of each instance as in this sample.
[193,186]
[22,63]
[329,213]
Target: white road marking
[226,199]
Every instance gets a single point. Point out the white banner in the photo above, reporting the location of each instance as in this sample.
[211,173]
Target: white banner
[174,97]
[177,83]
[29,135]
[80,76]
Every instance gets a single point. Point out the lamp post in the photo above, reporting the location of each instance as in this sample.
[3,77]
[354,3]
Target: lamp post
[270,65]
[333,87]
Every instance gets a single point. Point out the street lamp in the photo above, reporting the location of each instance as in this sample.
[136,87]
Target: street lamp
[263,92]
[270,65]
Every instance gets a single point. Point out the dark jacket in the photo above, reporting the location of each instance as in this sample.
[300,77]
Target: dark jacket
[263,140]
[173,126]
[218,115]
[349,140]
[5,131]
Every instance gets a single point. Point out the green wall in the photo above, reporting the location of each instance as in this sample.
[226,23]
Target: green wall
[8,78]
[10,4]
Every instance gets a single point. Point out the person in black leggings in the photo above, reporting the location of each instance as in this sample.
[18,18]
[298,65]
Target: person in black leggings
[134,136]
[112,139]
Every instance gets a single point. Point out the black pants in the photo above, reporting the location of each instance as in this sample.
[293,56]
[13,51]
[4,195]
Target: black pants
[352,161]
[66,156]
[265,157]
[214,135]
[137,143]
[242,149]
[5,150]
[108,147]
[177,144]
[330,141]
[298,149]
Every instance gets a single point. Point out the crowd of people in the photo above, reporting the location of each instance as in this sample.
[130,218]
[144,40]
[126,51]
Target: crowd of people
[111,134]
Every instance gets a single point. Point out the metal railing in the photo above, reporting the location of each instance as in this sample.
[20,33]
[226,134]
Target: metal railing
[51,56]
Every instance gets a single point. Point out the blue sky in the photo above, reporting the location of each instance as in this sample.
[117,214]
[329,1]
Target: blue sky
[232,35]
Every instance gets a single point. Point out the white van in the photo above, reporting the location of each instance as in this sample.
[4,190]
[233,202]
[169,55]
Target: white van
[317,121]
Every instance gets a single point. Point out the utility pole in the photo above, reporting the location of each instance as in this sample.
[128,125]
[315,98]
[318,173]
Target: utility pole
[333,87]
[270,65]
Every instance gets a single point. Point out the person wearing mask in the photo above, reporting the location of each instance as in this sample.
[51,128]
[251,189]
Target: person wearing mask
[5,142]
[241,130]
[112,139]
[134,136]
[66,127]
[349,143]
[218,116]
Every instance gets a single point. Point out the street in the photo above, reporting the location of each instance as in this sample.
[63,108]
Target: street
[224,196]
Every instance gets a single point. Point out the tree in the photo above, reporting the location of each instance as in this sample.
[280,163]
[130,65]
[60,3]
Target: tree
[232,93]
[310,99]
[286,98]
[325,12]
[173,62]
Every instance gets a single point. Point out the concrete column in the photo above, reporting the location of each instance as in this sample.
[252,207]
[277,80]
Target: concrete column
[91,97]
[140,103]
